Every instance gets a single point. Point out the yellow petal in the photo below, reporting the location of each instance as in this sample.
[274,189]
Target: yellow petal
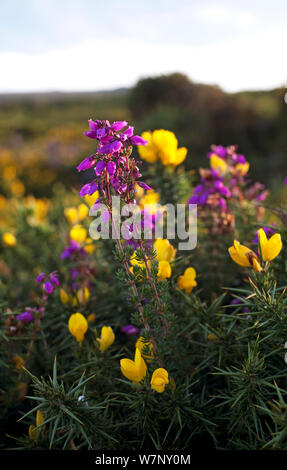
[164,270]
[269,248]
[238,254]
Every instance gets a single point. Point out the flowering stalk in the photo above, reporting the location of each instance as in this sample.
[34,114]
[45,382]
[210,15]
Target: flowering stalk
[151,280]
[116,172]
[48,283]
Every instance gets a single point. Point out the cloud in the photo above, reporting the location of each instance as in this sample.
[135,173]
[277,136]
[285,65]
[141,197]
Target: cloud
[222,15]
[251,59]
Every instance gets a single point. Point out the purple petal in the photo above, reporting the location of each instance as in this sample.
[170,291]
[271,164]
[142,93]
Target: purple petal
[54,279]
[89,188]
[26,317]
[143,185]
[100,167]
[93,125]
[129,132]
[41,277]
[87,163]
[111,167]
[110,148]
[101,133]
[118,125]
[130,330]
[138,140]
[48,287]
[91,134]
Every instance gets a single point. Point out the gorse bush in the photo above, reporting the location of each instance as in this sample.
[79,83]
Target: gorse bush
[124,340]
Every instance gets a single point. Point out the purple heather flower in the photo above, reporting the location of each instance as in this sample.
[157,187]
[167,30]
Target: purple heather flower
[48,286]
[138,140]
[262,196]
[87,163]
[130,330]
[25,317]
[236,301]
[89,188]
[100,167]
[110,148]
[94,124]
[129,132]
[118,125]
[74,273]
[41,277]
[54,279]
[240,158]
[144,185]
[71,249]
[219,150]
[222,203]
[222,189]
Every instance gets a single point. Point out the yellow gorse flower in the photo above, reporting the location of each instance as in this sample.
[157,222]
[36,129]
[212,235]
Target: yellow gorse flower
[18,361]
[187,281]
[159,380]
[64,297]
[164,250]
[218,164]
[164,270]
[89,246]
[91,318]
[78,326]
[9,239]
[92,199]
[33,432]
[148,153]
[74,215]
[135,262]
[39,207]
[149,201]
[242,168]
[144,346]
[269,248]
[134,370]
[107,338]
[244,256]
[17,188]
[78,233]
[83,295]
[9,173]
[39,418]
[162,145]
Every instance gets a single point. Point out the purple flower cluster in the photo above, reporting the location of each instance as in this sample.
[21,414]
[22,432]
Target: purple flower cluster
[216,189]
[129,330]
[111,160]
[27,316]
[48,281]
[211,184]
[73,250]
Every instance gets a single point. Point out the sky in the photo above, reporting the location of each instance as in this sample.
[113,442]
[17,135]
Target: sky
[87,45]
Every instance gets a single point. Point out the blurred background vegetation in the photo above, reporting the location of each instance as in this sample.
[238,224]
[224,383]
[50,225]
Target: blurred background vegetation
[42,133]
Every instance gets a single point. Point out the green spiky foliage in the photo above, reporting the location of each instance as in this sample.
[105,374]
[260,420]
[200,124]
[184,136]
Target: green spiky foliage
[225,360]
